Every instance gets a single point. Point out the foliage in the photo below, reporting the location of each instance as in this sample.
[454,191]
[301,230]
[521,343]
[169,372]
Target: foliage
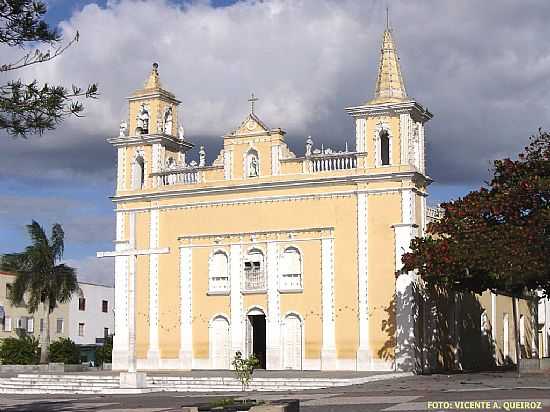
[28,108]
[497,237]
[64,350]
[104,354]
[39,276]
[22,350]
[244,368]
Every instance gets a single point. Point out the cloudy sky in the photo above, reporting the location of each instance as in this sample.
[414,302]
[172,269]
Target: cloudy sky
[482,68]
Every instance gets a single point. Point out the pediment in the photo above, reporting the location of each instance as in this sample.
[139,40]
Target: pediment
[251,124]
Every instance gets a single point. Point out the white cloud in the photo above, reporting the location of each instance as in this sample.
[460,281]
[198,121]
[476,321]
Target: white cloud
[94,270]
[484,70]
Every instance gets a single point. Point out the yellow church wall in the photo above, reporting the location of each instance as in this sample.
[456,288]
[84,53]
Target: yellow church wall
[213,174]
[255,300]
[239,157]
[308,303]
[291,166]
[383,212]
[169,290]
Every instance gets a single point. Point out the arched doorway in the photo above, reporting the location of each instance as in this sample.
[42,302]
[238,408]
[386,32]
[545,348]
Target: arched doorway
[220,346]
[256,335]
[292,342]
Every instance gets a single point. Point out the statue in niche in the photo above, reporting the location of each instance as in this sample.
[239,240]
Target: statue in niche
[167,121]
[253,166]
[181,132]
[143,120]
[123,131]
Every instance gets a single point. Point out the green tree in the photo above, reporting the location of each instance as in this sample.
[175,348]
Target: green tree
[497,237]
[64,350]
[22,350]
[39,277]
[30,108]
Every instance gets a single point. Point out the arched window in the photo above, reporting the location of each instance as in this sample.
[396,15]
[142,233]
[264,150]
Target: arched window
[218,279]
[252,164]
[254,274]
[291,269]
[220,342]
[292,342]
[384,148]
[138,173]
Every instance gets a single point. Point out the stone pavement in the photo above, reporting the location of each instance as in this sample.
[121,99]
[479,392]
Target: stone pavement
[402,394]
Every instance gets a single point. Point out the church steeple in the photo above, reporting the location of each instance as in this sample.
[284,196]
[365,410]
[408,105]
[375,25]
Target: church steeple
[390,86]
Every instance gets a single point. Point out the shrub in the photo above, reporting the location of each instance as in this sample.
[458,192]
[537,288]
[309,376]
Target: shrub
[64,350]
[244,368]
[104,354]
[22,350]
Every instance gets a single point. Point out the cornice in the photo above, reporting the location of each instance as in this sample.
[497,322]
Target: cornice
[171,142]
[413,107]
[329,180]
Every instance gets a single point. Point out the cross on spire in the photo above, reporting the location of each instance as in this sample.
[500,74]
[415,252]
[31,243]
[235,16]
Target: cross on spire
[253,99]
[387,18]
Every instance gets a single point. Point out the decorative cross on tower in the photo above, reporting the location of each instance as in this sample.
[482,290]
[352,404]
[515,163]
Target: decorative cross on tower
[253,99]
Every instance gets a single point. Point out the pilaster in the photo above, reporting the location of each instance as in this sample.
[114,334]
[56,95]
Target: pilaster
[120,339]
[275,159]
[236,300]
[153,353]
[228,164]
[186,311]
[273,356]
[328,350]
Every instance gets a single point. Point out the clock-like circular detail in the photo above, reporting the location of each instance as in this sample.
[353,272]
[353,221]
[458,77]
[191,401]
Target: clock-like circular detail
[250,125]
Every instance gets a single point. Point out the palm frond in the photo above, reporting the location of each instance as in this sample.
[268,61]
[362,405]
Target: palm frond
[65,282]
[57,241]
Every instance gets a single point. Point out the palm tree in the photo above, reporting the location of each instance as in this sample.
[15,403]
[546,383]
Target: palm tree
[39,278]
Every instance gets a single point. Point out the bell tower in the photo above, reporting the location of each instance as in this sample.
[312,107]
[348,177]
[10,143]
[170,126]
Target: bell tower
[390,126]
[150,138]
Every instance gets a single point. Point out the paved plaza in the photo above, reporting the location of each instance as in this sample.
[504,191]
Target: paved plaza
[414,393]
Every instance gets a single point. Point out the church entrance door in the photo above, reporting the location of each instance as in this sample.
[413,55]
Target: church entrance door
[256,338]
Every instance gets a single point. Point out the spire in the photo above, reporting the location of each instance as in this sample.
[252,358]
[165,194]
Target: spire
[153,82]
[390,86]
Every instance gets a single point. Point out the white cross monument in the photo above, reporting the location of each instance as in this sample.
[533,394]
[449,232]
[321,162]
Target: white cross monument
[132,379]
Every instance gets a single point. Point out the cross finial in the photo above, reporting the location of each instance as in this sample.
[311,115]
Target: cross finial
[387,17]
[253,99]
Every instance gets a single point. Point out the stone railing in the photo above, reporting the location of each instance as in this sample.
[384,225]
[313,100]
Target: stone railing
[333,161]
[180,176]
[434,214]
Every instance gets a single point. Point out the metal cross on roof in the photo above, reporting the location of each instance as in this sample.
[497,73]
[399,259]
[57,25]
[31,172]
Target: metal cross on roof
[253,99]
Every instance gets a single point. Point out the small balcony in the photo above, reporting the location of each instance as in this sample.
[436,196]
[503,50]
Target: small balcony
[332,161]
[180,176]
[254,280]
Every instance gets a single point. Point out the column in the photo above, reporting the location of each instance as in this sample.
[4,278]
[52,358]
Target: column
[121,169]
[363,352]
[153,354]
[132,263]
[120,339]
[186,311]
[273,356]
[407,350]
[275,155]
[328,350]
[227,164]
[236,301]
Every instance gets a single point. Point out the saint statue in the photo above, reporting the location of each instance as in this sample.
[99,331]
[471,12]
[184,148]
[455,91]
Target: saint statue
[181,132]
[253,167]
[168,121]
[123,128]
[143,119]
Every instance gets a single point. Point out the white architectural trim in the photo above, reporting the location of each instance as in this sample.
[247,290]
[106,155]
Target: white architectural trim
[120,339]
[153,353]
[363,352]
[236,299]
[275,157]
[273,325]
[382,126]
[405,130]
[219,315]
[361,134]
[227,164]
[121,168]
[186,308]
[328,350]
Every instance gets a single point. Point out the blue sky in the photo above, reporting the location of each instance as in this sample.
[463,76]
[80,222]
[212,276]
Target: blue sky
[484,72]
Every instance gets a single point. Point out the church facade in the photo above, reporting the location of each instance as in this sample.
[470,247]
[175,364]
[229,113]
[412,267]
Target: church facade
[290,257]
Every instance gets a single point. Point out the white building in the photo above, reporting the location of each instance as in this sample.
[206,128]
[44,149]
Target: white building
[91,313]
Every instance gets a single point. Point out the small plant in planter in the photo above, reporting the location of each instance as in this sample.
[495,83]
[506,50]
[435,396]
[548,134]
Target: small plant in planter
[244,367]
